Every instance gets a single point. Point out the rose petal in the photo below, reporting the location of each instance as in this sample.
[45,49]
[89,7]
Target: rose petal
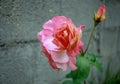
[44,35]
[72,66]
[72,63]
[53,64]
[79,30]
[58,21]
[81,27]
[63,67]
[59,56]
[46,52]
[49,25]
[49,45]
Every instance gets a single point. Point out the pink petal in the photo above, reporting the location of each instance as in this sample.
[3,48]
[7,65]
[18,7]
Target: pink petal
[59,56]
[76,50]
[53,64]
[82,27]
[39,36]
[58,20]
[72,53]
[73,59]
[81,43]
[79,30]
[44,34]
[72,66]
[46,52]
[63,67]
[49,45]
[49,25]
[72,63]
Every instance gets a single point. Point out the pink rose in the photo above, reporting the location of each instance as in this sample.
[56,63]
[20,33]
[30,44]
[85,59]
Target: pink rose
[100,15]
[60,41]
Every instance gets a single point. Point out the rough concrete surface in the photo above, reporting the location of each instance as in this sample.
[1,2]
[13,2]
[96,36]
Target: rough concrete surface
[21,58]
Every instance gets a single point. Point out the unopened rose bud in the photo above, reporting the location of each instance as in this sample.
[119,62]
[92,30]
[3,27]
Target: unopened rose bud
[100,15]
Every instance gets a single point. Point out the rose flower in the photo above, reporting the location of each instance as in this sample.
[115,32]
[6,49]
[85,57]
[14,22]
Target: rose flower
[61,42]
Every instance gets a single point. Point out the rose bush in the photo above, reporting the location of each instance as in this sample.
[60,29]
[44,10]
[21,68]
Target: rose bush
[61,42]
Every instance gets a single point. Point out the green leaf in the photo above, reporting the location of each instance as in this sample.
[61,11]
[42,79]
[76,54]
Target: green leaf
[98,66]
[68,82]
[77,81]
[69,75]
[83,69]
[93,57]
[94,60]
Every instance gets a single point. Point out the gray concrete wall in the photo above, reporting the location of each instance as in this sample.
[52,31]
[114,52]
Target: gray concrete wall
[21,59]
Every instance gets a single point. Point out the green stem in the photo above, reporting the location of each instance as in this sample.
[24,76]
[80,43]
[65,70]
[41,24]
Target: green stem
[90,38]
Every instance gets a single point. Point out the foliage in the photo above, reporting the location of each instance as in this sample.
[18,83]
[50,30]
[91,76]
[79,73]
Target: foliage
[83,68]
[94,60]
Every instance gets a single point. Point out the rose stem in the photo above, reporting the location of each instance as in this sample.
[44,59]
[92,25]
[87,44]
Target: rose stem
[91,35]
[84,82]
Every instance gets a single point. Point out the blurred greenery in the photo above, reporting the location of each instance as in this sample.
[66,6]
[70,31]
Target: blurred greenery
[111,79]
